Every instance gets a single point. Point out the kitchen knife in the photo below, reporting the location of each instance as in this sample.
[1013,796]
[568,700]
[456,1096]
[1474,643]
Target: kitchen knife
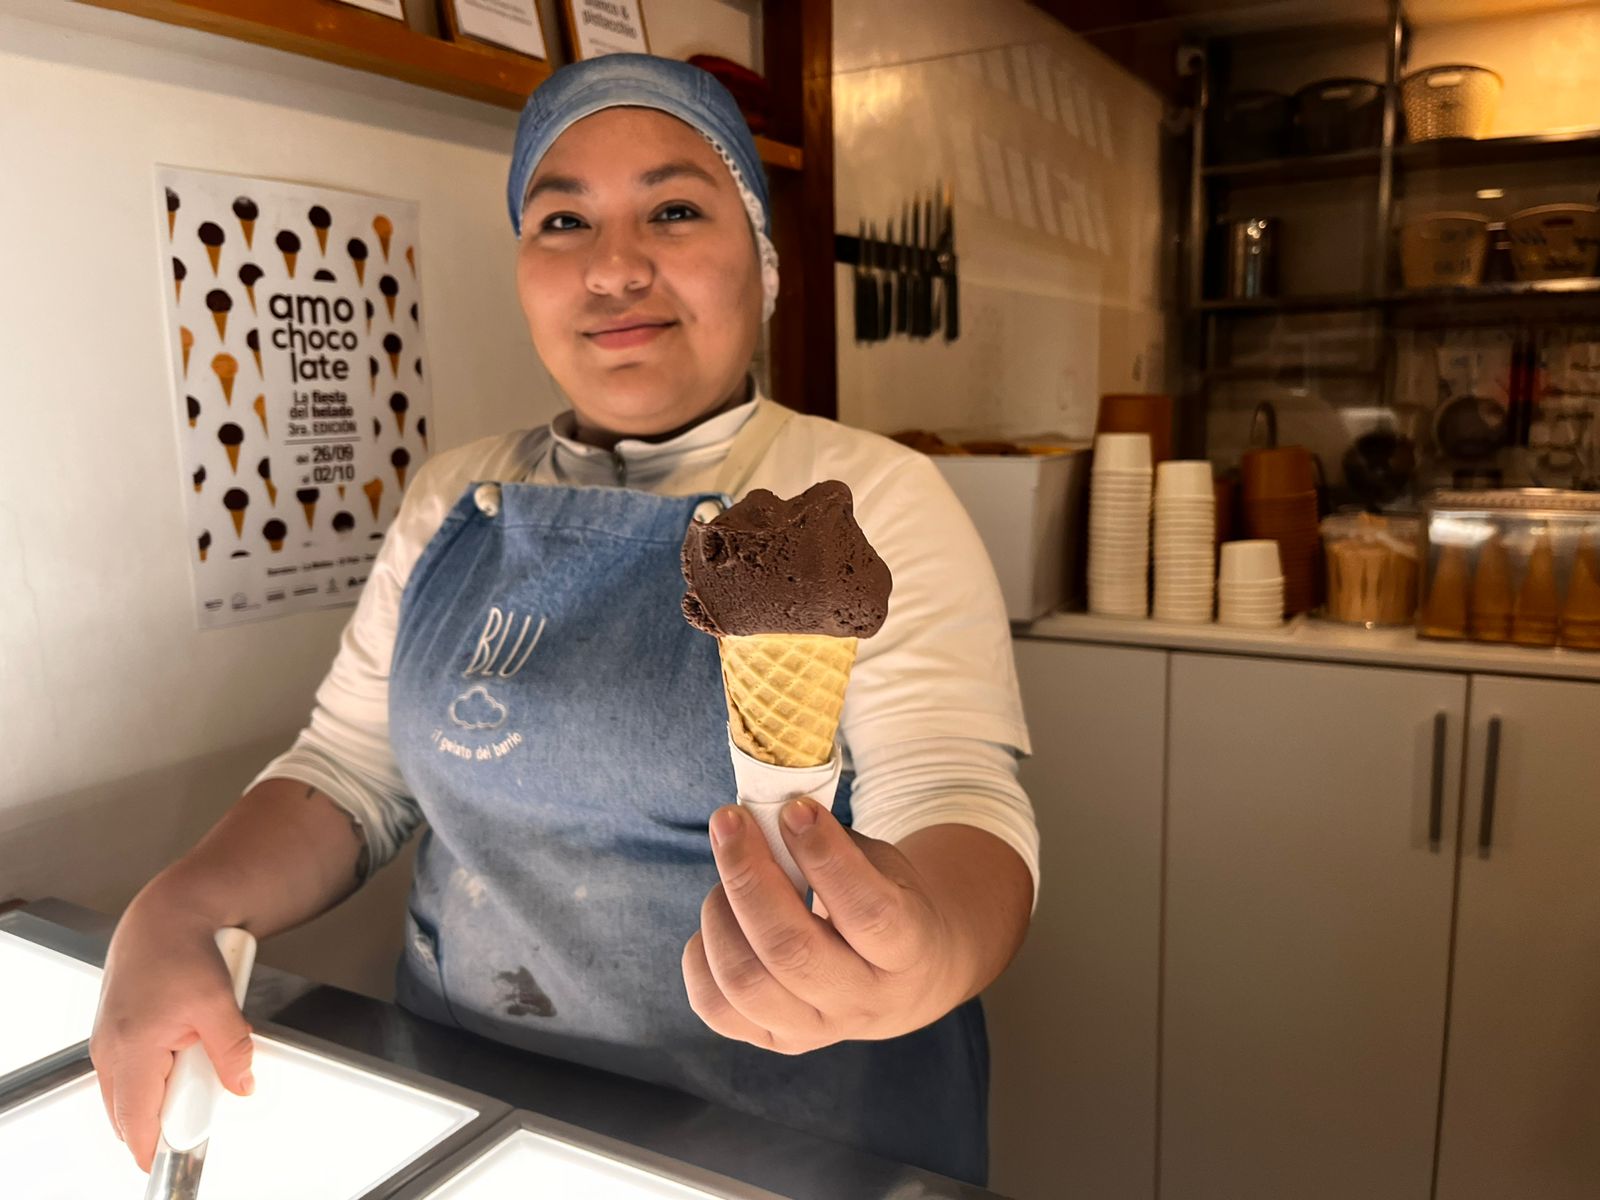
[883,265]
[192,1091]
[947,267]
[902,289]
[928,272]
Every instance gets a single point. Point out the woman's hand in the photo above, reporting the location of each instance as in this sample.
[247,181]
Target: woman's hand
[165,988]
[885,960]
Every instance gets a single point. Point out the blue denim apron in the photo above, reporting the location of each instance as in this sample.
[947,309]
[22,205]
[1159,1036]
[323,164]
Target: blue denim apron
[564,732]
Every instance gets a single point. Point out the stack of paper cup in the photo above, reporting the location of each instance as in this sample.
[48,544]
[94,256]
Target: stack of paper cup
[1119,525]
[1186,521]
[1250,584]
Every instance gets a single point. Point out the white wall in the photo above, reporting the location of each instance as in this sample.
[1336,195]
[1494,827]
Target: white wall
[1053,154]
[129,730]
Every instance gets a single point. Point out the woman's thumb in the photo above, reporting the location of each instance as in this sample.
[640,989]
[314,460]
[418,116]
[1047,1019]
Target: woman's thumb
[226,1037]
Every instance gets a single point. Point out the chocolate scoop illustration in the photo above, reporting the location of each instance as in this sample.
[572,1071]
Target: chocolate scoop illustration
[370,311]
[372,372]
[422,431]
[199,478]
[374,490]
[264,469]
[390,287]
[324,275]
[415,320]
[400,460]
[193,406]
[275,531]
[220,304]
[357,250]
[204,540]
[172,213]
[384,228]
[320,220]
[226,368]
[289,246]
[245,209]
[377,428]
[212,237]
[236,501]
[240,554]
[392,346]
[186,340]
[398,404]
[419,368]
[308,498]
[231,437]
[250,275]
[179,274]
[411,260]
[260,406]
[343,522]
[253,340]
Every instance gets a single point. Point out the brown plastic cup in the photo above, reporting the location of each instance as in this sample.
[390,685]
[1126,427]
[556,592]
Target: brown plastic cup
[1136,413]
[1278,473]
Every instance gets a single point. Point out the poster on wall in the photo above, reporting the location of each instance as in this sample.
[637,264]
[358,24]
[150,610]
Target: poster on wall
[597,27]
[300,383]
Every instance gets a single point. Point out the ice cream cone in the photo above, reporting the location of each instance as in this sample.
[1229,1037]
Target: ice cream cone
[275,543]
[177,290]
[1533,621]
[172,232]
[322,239]
[226,368]
[250,290]
[259,371]
[785,692]
[389,303]
[309,507]
[260,406]
[214,253]
[233,458]
[374,490]
[272,492]
[400,474]
[400,421]
[203,550]
[1580,616]
[249,228]
[238,521]
[289,259]
[1444,615]
[411,259]
[361,271]
[221,318]
[1491,594]
[341,491]
[384,228]
[186,339]
[394,363]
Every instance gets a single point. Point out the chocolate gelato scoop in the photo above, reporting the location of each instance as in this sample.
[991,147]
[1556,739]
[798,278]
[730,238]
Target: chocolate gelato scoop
[768,565]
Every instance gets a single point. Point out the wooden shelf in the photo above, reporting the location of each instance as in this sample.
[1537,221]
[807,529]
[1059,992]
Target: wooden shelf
[1483,152]
[1305,168]
[365,41]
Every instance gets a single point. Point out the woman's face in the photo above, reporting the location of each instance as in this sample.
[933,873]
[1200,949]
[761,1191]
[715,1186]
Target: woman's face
[638,272]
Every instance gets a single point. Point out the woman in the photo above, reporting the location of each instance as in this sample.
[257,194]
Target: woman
[518,675]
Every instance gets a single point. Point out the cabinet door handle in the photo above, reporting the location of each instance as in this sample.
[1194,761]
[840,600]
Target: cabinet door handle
[1436,801]
[1491,776]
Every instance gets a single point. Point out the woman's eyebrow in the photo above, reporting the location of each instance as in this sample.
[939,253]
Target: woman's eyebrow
[569,185]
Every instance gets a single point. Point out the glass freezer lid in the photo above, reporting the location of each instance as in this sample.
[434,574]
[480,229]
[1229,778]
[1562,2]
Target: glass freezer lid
[314,1126]
[47,1001]
[530,1164]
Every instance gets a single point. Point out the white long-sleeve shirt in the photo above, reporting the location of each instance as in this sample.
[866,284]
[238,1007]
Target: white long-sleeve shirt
[932,722]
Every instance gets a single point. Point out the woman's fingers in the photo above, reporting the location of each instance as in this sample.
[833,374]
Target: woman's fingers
[711,1006]
[226,1037]
[139,1081]
[744,979]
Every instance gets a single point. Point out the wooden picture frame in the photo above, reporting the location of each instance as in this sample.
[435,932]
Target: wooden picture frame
[598,41]
[393,9]
[488,28]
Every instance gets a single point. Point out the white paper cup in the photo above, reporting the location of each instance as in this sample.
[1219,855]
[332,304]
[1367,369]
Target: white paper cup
[1185,478]
[1250,561]
[1122,451]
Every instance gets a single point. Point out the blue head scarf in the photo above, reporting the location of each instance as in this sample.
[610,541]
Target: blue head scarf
[584,88]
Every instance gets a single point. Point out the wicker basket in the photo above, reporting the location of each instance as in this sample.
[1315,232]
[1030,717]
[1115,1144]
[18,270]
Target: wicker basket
[1444,249]
[1450,102]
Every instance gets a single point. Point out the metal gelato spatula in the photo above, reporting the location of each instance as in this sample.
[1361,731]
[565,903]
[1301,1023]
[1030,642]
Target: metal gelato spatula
[192,1092]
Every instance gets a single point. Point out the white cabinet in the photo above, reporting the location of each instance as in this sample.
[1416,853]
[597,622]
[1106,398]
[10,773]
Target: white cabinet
[1521,1112]
[1072,1024]
[1307,927]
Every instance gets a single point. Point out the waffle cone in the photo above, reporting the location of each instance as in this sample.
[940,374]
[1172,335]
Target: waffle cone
[785,692]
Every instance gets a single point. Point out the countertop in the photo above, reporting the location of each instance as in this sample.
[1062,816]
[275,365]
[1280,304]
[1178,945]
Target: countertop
[658,1119]
[1311,639]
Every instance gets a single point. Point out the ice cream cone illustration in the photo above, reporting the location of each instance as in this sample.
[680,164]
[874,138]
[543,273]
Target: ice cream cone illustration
[246,211]
[370,312]
[400,460]
[422,431]
[186,340]
[275,531]
[415,320]
[212,237]
[226,367]
[193,406]
[418,365]
[204,542]
[377,429]
[199,479]
[172,213]
[1533,619]
[341,491]
[253,340]
[390,287]
[411,260]
[372,371]
[231,437]
[250,275]
[384,228]
[374,490]
[343,523]
[289,246]
[260,406]
[320,221]
[398,404]
[392,347]
[308,498]
[1491,593]
[236,501]
[179,274]
[220,304]
[264,469]
[787,587]
[357,250]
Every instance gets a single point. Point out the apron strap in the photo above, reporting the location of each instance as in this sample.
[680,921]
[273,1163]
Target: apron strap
[750,446]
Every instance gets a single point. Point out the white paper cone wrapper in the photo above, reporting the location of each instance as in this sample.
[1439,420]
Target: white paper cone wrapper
[764,789]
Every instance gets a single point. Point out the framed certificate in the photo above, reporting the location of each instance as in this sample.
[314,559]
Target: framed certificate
[598,27]
[387,8]
[513,24]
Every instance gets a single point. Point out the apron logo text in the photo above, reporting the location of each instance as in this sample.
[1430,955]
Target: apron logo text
[490,656]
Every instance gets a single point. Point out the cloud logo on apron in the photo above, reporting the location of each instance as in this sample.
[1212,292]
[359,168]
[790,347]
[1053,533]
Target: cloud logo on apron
[475,708]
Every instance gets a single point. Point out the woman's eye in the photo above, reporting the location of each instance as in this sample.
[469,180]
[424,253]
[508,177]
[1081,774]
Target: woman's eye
[560,223]
[673,213]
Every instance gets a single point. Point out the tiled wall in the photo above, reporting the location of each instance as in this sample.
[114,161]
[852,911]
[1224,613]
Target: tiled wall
[1052,152]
